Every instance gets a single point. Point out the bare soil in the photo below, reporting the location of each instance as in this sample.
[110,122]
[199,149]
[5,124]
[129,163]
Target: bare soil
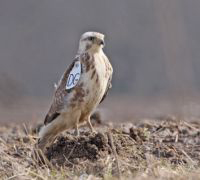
[124,151]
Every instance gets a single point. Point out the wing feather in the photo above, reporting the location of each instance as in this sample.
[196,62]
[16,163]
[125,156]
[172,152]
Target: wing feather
[59,96]
[109,86]
[49,119]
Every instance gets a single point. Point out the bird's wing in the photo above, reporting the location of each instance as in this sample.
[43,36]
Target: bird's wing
[67,82]
[109,86]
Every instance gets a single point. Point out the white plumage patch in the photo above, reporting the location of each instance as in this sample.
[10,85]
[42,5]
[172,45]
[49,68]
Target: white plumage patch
[74,75]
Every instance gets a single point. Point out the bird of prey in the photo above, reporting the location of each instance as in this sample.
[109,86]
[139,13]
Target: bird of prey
[83,86]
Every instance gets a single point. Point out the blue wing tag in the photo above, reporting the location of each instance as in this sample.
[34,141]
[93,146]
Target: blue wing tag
[74,75]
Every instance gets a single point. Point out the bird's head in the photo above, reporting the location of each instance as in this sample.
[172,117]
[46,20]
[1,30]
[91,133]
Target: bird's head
[91,41]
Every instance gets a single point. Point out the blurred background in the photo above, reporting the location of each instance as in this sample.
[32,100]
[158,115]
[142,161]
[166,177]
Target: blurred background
[153,45]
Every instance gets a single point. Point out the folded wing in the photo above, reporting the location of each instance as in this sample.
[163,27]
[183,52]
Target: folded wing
[61,93]
[109,86]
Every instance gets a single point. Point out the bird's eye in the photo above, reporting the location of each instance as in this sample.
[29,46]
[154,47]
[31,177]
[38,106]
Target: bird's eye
[91,38]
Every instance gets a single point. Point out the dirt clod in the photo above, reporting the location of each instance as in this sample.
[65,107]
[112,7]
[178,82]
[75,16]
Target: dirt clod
[90,147]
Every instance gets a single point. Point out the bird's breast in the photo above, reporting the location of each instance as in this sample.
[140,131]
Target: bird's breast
[94,79]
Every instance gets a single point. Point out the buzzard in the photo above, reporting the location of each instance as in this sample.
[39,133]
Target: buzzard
[82,87]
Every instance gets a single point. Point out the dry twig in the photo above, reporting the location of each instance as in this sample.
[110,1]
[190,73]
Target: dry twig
[115,153]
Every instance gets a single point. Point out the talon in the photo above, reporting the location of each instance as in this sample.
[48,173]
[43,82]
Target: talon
[94,132]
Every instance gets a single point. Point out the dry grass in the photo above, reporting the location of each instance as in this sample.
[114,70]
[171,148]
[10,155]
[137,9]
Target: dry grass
[167,149]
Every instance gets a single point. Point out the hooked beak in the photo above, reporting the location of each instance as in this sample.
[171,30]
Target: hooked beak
[102,42]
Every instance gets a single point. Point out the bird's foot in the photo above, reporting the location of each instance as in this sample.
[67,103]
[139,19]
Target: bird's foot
[76,132]
[93,132]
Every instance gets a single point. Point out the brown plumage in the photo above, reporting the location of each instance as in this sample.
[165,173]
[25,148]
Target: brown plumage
[80,90]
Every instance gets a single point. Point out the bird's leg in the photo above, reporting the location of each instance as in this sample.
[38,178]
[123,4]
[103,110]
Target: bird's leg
[90,125]
[76,133]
